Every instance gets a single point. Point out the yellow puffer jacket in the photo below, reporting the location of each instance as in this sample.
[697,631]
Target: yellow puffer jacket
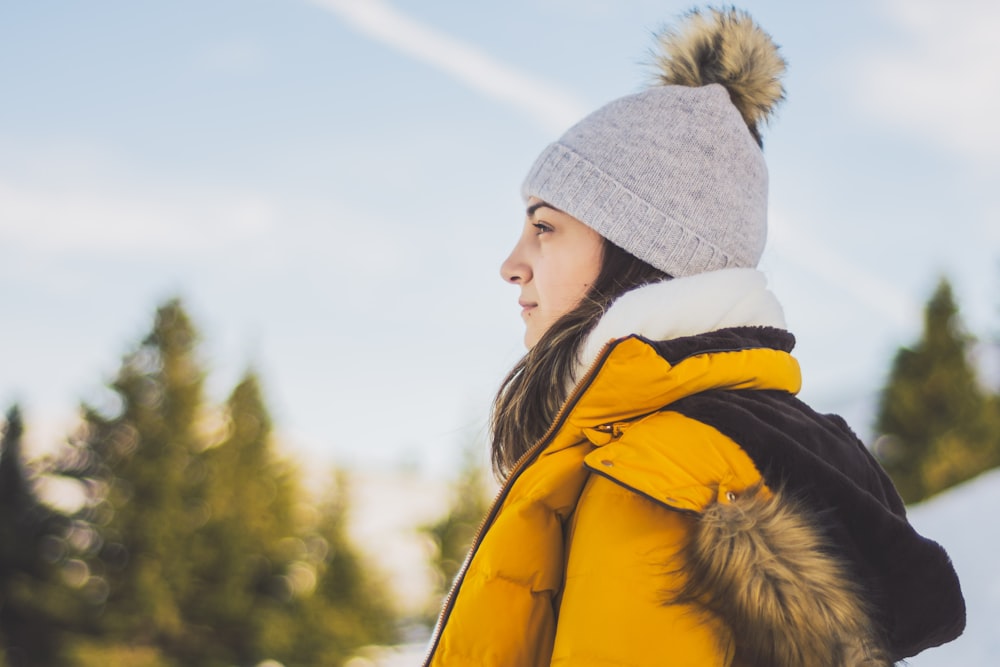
[654,525]
[596,551]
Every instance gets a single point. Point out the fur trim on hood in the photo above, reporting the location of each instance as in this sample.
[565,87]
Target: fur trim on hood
[744,564]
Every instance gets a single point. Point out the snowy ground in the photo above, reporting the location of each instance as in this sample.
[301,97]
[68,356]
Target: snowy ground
[962,519]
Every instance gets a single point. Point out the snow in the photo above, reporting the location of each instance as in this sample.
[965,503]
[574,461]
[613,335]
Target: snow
[963,521]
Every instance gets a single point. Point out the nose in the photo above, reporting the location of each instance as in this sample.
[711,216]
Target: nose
[515,269]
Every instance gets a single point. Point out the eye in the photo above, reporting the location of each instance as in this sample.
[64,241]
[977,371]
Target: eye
[541,227]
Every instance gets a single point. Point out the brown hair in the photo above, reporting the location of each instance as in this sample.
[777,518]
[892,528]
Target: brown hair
[534,390]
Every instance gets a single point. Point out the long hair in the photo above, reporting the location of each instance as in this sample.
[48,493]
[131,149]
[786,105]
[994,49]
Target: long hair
[534,390]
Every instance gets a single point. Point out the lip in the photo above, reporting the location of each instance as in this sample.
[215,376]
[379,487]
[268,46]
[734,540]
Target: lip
[526,306]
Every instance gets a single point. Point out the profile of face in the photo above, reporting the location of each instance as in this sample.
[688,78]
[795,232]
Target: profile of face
[555,261]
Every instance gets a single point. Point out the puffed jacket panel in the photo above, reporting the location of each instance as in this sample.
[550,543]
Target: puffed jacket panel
[624,561]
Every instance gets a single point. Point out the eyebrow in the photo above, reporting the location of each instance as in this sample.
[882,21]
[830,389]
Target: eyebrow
[534,207]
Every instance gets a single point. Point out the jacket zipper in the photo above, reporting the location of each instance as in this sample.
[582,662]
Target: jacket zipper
[516,471]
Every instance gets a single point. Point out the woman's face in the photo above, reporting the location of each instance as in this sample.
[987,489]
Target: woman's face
[556,260]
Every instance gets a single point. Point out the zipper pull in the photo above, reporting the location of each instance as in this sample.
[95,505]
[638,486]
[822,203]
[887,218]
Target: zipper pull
[602,434]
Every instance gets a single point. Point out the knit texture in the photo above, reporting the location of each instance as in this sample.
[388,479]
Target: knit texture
[672,175]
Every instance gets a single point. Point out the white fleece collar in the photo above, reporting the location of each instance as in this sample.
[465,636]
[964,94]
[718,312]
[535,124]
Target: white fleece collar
[685,307]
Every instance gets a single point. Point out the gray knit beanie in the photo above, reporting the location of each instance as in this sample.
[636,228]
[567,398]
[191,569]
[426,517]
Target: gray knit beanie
[675,174]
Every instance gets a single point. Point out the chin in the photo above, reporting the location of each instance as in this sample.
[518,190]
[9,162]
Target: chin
[530,338]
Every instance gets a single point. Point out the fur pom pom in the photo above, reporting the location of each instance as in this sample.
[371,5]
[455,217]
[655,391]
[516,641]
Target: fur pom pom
[728,48]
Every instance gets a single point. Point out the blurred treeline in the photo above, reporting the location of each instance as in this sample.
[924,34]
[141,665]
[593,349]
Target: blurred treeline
[189,541]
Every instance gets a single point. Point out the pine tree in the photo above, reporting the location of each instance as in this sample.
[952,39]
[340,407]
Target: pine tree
[145,482]
[36,608]
[156,490]
[276,577]
[249,548]
[933,412]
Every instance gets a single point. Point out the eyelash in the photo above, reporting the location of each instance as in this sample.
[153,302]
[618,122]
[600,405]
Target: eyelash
[541,227]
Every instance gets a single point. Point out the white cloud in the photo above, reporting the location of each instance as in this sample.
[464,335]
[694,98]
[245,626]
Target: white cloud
[72,203]
[61,219]
[942,79]
[248,231]
[552,109]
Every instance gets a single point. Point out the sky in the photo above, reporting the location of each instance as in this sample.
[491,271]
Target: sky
[331,185]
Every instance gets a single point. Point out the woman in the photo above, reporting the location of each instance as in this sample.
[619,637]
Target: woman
[667,500]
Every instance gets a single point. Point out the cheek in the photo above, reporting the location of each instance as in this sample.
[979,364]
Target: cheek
[573,281]
[593,269]
[585,271]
